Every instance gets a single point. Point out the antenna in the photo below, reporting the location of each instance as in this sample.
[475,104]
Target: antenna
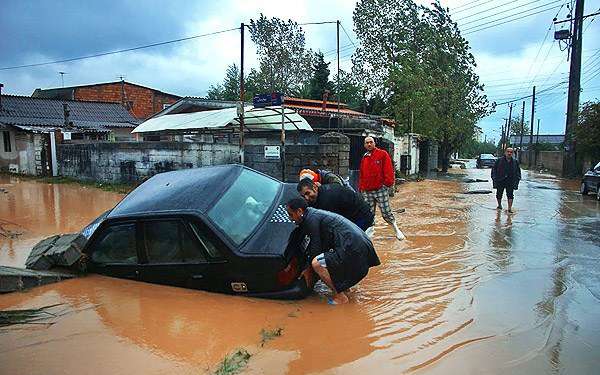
[62,78]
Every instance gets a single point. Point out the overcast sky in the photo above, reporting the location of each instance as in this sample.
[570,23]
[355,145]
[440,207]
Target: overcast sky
[511,57]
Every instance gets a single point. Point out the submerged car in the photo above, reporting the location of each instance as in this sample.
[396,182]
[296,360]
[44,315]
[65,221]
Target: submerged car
[223,229]
[486,160]
[591,181]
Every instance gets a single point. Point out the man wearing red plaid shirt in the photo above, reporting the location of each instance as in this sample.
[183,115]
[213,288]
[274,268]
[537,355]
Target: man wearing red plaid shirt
[376,177]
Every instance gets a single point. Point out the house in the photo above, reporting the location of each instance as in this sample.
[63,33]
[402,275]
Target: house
[141,101]
[32,127]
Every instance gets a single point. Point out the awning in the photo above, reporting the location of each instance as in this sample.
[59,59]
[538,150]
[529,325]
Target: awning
[255,119]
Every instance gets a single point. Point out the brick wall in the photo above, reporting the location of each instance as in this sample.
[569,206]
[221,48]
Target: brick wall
[143,101]
[135,161]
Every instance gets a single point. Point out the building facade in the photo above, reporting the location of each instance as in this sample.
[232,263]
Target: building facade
[141,101]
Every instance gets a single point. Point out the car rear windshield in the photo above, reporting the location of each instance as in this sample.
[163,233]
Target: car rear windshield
[244,205]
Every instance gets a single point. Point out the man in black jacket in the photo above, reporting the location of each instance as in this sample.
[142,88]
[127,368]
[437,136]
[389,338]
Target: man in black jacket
[338,251]
[339,199]
[506,174]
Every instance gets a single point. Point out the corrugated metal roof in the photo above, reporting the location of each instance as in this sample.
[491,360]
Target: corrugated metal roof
[38,112]
[543,138]
[254,119]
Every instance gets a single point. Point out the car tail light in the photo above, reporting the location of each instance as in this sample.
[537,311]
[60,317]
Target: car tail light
[288,274]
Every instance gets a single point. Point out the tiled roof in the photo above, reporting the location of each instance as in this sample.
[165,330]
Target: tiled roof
[25,111]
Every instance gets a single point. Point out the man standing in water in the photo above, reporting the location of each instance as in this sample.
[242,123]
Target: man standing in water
[506,174]
[376,177]
[339,252]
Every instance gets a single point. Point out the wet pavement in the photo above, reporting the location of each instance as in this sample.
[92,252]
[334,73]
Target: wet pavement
[472,290]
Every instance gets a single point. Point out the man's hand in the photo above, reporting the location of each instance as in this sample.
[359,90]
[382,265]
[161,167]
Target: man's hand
[308,276]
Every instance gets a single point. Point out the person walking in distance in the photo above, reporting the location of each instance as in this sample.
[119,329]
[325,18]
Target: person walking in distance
[506,174]
[376,177]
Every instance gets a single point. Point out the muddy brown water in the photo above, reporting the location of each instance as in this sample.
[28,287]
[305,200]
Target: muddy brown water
[472,290]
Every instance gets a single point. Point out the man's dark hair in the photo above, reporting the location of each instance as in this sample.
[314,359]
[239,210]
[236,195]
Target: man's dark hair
[296,203]
[305,182]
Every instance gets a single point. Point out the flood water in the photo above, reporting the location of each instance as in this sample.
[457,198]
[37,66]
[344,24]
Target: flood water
[472,290]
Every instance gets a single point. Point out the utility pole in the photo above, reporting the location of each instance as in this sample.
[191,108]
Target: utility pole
[569,161]
[531,123]
[522,129]
[338,74]
[241,112]
[537,139]
[507,130]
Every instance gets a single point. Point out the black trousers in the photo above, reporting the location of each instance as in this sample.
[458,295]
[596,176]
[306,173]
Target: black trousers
[509,190]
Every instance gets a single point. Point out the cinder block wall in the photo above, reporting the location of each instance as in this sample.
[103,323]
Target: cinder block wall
[331,153]
[135,161]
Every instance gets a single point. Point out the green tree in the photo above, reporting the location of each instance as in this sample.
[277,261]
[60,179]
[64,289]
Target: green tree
[350,93]
[285,64]
[320,78]
[587,131]
[416,60]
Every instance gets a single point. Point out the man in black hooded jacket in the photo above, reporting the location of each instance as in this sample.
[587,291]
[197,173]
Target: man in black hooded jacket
[338,251]
[506,174]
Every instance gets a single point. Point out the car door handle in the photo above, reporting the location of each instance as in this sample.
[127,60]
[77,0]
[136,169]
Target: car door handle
[197,277]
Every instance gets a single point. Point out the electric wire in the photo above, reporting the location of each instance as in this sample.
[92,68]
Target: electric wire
[495,14]
[491,24]
[118,51]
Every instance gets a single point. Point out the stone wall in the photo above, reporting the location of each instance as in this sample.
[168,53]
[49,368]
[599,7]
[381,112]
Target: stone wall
[331,153]
[134,161]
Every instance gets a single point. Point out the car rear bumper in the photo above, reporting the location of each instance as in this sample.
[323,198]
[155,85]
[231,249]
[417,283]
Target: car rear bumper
[297,290]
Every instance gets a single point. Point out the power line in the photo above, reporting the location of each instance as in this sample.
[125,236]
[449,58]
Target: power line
[528,96]
[118,51]
[477,28]
[467,4]
[474,6]
[495,14]
[348,36]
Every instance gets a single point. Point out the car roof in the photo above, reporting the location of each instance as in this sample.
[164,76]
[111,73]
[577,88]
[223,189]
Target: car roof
[489,156]
[184,190]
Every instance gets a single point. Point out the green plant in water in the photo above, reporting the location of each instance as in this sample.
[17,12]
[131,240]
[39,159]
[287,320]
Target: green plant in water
[269,334]
[26,316]
[233,363]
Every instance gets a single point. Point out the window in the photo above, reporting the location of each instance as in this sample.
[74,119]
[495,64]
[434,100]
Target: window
[244,205]
[116,245]
[7,145]
[207,244]
[168,242]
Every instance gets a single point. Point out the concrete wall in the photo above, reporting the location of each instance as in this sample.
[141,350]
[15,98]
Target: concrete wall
[134,161]
[332,153]
[24,157]
[551,160]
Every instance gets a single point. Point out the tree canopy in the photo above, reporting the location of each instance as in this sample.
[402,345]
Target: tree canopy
[415,58]
[587,131]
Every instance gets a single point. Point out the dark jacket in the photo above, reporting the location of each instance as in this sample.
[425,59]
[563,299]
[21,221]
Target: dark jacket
[506,173]
[349,253]
[346,202]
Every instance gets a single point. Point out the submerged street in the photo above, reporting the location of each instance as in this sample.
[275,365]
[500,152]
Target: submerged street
[471,290]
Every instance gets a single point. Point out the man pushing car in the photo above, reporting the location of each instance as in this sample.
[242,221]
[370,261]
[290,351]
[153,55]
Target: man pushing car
[338,251]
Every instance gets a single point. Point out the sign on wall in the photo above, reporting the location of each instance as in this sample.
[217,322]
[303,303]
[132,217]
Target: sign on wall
[272,152]
[267,100]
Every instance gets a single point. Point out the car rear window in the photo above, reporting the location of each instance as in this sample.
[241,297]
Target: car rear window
[244,205]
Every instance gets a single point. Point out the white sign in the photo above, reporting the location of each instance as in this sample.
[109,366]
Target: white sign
[67,136]
[272,152]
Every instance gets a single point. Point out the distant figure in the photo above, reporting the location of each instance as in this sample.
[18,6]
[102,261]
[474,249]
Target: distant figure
[506,174]
[323,177]
[339,199]
[338,251]
[376,177]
